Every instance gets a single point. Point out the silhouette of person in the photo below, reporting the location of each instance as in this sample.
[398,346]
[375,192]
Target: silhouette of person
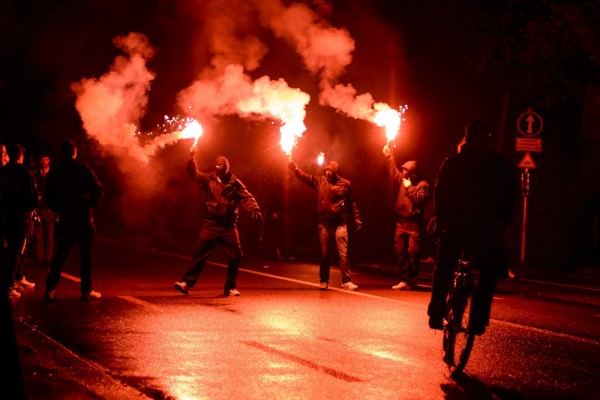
[73,190]
[20,199]
[44,229]
[474,200]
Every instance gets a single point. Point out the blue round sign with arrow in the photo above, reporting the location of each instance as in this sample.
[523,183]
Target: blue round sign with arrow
[530,123]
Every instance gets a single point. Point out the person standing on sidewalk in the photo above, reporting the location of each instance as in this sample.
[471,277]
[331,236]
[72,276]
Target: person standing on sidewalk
[411,195]
[334,202]
[224,192]
[44,229]
[20,199]
[73,190]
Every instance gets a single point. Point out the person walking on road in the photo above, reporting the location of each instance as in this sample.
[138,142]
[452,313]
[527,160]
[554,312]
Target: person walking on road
[224,193]
[73,190]
[20,199]
[334,202]
[474,200]
[411,194]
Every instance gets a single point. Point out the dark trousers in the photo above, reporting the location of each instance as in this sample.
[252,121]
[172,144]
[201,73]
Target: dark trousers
[407,247]
[44,237]
[70,231]
[16,233]
[488,257]
[212,235]
[340,232]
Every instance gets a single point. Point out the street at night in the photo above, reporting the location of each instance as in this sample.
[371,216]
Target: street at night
[283,338]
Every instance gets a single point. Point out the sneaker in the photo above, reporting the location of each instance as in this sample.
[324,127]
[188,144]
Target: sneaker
[401,286]
[92,295]
[50,296]
[25,284]
[349,285]
[232,292]
[13,293]
[323,285]
[183,287]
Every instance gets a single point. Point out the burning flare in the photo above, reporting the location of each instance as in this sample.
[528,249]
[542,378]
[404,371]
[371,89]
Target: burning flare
[321,158]
[389,118]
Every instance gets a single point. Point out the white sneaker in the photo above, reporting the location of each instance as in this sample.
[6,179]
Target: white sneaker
[25,284]
[323,285]
[182,287]
[234,292]
[401,286]
[91,296]
[349,285]
[13,294]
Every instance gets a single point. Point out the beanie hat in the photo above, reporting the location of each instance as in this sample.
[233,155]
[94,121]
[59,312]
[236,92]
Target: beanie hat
[223,161]
[332,165]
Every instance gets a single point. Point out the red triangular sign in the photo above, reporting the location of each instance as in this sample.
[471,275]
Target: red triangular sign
[527,161]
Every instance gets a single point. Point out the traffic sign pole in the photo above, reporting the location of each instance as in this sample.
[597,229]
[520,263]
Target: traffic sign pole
[525,193]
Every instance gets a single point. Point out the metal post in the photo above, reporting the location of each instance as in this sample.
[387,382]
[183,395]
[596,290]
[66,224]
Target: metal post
[525,193]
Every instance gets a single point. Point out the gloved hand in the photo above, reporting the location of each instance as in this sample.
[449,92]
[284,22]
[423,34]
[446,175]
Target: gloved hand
[292,165]
[193,151]
[257,216]
[386,151]
[357,225]
[406,182]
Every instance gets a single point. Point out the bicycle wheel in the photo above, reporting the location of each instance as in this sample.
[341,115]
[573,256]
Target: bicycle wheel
[458,341]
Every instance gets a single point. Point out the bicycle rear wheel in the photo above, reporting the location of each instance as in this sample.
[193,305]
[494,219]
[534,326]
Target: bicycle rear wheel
[458,340]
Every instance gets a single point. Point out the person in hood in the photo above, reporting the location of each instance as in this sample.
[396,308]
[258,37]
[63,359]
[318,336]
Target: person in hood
[474,200]
[224,193]
[411,193]
[335,203]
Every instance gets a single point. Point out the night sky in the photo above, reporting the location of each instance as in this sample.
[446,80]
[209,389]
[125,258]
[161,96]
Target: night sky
[450,62]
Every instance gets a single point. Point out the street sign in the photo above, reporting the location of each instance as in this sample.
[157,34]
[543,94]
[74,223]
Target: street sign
[530,123]
[527,161]
[527,144]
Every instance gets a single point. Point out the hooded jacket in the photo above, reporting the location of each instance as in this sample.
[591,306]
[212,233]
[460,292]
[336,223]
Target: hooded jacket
[410,201]
[222,196]
[334,200]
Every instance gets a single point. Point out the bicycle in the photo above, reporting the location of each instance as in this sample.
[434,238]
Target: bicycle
[458,338]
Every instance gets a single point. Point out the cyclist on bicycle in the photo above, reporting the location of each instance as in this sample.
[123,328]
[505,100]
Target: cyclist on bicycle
[474,200]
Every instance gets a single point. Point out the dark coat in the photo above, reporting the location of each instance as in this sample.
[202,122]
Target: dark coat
[411,200]
[334,200]
[72,189]
[222,197]
[18,190]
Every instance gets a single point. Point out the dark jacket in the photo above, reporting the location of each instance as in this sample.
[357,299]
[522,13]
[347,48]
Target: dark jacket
[475,192]
[18,190]
[333,200]
[410,201]
[72,189]
[222,198]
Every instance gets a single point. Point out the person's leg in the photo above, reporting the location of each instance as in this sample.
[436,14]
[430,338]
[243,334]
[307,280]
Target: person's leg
[48,220]
[414,254]
[401,251]
[85,241]
[341,240]
[230,241]
[324,267]
[65,243]
[209,236]
[448,253]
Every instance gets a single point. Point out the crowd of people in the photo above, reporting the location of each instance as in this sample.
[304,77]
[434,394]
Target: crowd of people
[473,195]
[36,204]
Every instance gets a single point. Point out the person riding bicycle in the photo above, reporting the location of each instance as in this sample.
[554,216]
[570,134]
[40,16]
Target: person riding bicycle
[474,200]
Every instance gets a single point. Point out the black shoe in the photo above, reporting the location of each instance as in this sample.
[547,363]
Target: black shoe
[436,323]
[477,329]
